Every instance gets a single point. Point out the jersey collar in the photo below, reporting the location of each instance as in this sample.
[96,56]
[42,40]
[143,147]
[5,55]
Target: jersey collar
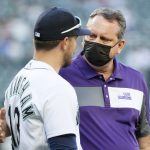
[35,64]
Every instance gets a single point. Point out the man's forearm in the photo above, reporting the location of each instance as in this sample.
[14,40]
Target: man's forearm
[144,143]
[4,130]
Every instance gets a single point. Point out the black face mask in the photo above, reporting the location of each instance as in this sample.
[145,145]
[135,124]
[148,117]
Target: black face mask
[97,54]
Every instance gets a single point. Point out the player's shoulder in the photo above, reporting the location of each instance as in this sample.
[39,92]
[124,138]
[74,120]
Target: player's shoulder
[63,84]
[47,79]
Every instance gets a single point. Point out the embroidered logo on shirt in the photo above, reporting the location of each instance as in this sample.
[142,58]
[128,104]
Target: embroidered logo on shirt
[125,96]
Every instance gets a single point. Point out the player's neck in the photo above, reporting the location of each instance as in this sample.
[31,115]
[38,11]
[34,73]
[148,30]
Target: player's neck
[53,58]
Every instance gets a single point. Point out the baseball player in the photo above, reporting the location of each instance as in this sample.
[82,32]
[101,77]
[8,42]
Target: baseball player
[41,107]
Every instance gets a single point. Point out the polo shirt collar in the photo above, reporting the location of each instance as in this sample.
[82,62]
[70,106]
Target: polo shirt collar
[89,72]
[117,70]
[85,68]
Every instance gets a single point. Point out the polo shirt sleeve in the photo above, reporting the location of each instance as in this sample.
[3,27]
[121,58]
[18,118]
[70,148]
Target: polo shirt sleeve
[146,94]
[60,111]
[143,127]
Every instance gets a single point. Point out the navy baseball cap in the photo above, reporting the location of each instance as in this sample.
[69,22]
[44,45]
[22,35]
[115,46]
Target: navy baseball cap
[56,24]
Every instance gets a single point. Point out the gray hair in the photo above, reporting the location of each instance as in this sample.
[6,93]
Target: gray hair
[112,15]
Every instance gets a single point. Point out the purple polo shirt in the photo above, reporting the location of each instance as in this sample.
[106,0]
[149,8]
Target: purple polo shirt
[113,113]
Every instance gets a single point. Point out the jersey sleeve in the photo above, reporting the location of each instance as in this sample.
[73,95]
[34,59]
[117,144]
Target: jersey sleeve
[60,111]
[67,141]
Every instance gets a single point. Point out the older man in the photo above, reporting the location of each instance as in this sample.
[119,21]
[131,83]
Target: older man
[113,98]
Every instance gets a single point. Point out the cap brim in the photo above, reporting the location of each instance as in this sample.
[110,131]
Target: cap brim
[83,31]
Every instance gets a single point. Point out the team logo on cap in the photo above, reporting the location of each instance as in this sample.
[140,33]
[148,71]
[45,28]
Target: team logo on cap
[37,34]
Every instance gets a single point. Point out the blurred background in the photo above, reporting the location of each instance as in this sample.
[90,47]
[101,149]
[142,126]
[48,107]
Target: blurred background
[17,19]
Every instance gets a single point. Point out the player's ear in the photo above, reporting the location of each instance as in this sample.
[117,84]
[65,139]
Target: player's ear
[64,43]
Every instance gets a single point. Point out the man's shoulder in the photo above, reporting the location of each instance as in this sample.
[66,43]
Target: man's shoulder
[67,70]
[130,71]
[73,68]
[74,73]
